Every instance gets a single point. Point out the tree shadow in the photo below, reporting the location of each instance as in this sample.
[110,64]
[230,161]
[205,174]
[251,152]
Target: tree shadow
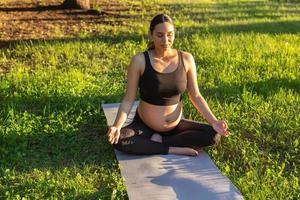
[108,38]
[39,9]
[281,27]
[187,188]
[239,11]
[234,10]
[52,142]
[50,21]
[86,143]
[33,9]
[265,88]
[177,176]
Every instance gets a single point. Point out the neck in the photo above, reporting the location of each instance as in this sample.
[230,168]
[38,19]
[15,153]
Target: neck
[162,53]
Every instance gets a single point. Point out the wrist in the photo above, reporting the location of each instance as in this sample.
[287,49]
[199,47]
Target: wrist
[213,121]
[116,126]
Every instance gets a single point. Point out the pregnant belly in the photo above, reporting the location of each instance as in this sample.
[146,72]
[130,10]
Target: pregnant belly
[160,118]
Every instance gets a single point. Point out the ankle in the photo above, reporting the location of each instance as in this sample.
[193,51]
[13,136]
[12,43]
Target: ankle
[183,151]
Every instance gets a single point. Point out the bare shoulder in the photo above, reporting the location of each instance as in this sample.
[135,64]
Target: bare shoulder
[187,56]
[137,63]
[138,60]
[188,59]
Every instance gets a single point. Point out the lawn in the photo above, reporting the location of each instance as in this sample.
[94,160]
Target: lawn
[52,127]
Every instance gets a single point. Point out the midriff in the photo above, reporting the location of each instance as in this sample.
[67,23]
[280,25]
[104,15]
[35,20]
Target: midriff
[160,118]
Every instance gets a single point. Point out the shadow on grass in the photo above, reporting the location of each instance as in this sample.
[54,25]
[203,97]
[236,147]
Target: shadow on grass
[86,143]
[33,9]
[248,12]
[234,10]
[242,10]
[108,38]
[281,27]
[263,88]
[53,143]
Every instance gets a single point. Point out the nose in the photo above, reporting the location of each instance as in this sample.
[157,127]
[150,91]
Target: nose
[165,39]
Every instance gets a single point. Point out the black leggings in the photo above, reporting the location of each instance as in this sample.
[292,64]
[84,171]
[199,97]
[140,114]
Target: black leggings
[135,137]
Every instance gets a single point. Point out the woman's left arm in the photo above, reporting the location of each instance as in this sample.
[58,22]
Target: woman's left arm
[197,99]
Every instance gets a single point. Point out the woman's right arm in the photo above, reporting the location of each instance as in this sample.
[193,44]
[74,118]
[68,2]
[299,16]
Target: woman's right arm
[133,74]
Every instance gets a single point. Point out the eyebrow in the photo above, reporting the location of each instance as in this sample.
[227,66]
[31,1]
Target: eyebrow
[167,32]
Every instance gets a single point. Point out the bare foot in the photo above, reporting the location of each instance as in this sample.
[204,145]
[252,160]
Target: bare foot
[183,151]
[198,149]
[156,137]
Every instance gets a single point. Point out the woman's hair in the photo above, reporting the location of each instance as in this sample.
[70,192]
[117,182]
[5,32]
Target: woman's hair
[161,18]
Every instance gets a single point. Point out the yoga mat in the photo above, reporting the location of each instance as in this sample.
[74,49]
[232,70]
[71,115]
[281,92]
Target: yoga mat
[167,177]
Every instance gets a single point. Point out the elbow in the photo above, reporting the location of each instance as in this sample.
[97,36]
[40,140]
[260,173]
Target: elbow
[194,95]
[128,102]
[128,98]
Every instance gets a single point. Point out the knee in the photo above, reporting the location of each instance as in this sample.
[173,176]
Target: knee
[122,145]
[118,146]
[215,137]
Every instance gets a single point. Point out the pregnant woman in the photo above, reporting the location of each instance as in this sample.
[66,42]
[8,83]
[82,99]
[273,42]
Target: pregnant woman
[162,74]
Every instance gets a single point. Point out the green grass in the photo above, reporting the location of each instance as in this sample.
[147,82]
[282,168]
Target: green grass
[52,127]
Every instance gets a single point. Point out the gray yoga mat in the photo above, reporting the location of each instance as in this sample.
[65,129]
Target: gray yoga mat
[167,177]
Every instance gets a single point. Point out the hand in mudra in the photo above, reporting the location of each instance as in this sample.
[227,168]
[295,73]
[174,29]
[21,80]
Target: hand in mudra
[221,127]
[113,134]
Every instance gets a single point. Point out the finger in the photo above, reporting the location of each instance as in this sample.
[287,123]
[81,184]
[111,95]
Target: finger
[226,125]
[227,133]
[111,139]
[117,136]
[108,132]
[109,135]
[117,140]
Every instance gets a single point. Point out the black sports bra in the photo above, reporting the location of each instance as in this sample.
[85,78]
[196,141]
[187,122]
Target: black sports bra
[162,88]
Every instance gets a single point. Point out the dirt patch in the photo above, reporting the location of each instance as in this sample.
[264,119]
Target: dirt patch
[29,19]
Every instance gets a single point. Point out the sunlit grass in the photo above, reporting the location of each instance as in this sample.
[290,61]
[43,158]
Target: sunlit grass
[52,127]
